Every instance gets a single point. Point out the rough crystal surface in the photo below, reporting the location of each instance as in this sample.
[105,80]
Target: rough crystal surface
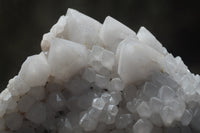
[101,78]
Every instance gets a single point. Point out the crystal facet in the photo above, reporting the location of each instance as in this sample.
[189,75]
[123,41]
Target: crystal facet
[100,78]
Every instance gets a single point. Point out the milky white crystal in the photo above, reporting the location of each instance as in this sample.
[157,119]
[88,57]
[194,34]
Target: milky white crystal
[38,70]
[65,58]
[100,78]
[110,26]
[143,62]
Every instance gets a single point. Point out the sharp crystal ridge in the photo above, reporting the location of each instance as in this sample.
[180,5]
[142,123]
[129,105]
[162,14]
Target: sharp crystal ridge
[100,78]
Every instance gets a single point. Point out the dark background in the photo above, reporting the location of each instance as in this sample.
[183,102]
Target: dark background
[23,22]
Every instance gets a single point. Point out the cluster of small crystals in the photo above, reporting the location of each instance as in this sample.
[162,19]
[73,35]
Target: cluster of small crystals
[101,78]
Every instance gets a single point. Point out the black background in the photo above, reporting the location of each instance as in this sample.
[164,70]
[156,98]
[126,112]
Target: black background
[23,22]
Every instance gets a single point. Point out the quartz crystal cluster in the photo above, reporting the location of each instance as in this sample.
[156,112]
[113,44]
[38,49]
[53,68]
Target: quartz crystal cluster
[101,78]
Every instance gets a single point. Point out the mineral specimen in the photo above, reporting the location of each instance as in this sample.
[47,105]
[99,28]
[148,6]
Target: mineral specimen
[101,78]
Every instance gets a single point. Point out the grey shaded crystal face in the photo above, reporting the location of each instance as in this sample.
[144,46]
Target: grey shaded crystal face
[100,78]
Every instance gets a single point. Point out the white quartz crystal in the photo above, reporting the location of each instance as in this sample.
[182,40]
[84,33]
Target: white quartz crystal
[82,29]
[88,123]
[56,101]
[186,118]
[156,104]
[25,103]
[108,59]
[112,110]
[37,93]
[100,78]
[142,126]
[143,62]
[98,103]
[101,81]
[62,68]
[144,110]
[123,121]
[89,75]
[17,86]
[35,70]
[116,85]
[37,113]
[113,32]
[148,39]
[166,93]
